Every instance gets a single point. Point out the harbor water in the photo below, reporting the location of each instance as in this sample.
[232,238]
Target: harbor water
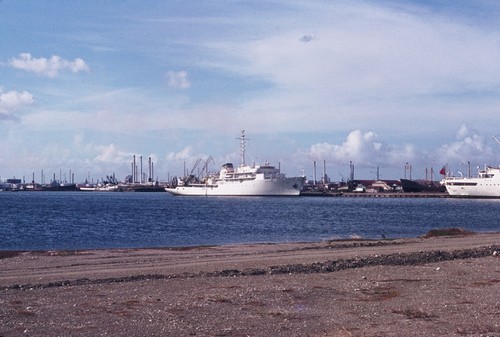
[77,220]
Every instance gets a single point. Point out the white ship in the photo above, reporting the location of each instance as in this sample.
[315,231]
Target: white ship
[244,180]
[485,185]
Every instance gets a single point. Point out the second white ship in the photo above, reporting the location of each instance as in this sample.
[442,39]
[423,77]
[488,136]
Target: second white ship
[485,185]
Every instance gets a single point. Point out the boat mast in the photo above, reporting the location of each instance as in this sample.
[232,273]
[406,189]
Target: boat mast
[242,147]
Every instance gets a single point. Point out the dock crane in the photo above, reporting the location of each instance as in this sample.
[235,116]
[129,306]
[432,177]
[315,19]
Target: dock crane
[195,166]
[205,166]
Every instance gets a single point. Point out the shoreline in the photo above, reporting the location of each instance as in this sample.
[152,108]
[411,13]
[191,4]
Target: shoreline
[51,265]
[453,232]
[437,285]
[409,259]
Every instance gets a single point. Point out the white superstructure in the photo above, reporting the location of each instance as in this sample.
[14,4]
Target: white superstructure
[244,180]
[485,185]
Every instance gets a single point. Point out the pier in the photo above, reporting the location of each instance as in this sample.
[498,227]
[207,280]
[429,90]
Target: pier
[395,195]
[377,195]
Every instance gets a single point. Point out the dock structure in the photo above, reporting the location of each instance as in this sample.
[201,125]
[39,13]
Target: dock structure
[396,195]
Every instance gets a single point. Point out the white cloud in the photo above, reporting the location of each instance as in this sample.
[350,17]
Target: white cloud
[469,146]
[185,153]
[12,101]
[362,148]
[366,150]
[48,67]
[112,154]
[178,79]
[366,64]
[375,50]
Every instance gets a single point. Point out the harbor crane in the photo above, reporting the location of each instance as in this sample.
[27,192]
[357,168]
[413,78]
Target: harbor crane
[205,166]
[195,166]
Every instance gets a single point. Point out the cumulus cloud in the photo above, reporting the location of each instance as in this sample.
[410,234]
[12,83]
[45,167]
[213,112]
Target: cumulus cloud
[12,101]
[185,153]
[48,67]
[178,79]
[363,148]
[112,154]
[366,150]
[468,146]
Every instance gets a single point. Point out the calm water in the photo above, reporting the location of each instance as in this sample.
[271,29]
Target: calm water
[75,220]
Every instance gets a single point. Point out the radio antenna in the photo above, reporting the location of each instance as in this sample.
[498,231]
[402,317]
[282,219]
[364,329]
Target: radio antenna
[242,147]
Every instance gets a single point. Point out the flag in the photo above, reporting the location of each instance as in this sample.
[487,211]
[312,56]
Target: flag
[443,171]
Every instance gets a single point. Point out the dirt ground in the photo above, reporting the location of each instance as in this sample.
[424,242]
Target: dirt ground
[438,286]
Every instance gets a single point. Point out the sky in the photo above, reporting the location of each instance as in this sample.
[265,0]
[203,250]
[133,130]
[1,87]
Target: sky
[86,85]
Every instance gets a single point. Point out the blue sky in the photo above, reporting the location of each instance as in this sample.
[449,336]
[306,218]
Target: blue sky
[86,85]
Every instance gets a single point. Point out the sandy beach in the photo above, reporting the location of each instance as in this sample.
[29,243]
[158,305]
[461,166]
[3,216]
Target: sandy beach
[436,286]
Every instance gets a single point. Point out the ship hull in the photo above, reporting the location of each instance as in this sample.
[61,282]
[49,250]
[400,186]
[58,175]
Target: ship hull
[285,187]
[412,186]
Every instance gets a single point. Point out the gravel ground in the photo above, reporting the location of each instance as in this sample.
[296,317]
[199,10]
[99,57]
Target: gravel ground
[438,286]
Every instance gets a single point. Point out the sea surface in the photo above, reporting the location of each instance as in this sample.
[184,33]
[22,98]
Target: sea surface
[78,220]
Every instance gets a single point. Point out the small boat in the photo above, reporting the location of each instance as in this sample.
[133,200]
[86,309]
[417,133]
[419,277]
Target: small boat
[244,180]
[485,185]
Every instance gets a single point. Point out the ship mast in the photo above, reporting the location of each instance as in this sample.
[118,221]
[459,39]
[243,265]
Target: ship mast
[242,147]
